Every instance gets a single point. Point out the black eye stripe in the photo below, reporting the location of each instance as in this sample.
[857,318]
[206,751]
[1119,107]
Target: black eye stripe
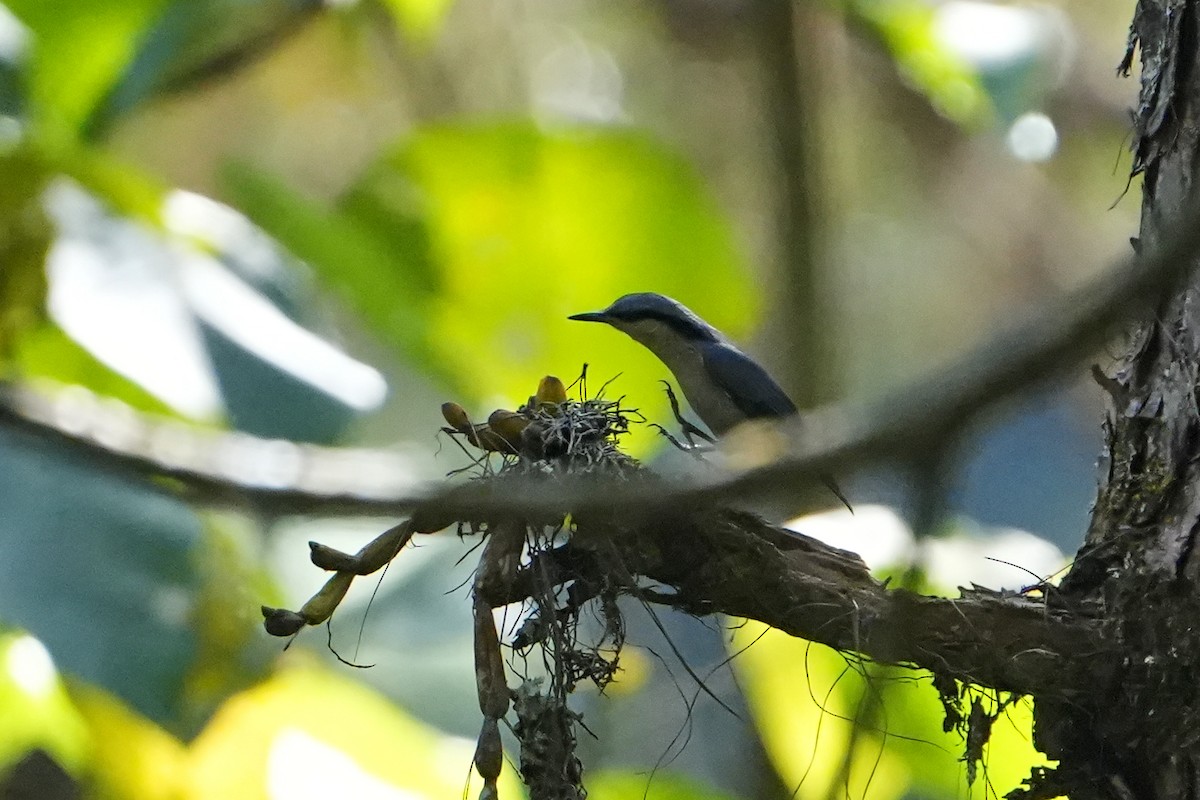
[688,328]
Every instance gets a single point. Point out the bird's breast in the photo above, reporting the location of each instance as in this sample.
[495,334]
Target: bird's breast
[710,403]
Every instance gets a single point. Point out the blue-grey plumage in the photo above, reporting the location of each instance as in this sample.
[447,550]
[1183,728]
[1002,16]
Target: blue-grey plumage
[756,394]
[724,386]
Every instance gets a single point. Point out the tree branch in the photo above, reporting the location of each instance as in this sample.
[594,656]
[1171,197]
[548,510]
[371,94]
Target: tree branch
[832,438]
[736,564]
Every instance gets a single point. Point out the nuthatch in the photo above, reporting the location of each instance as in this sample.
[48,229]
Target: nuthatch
[724,386]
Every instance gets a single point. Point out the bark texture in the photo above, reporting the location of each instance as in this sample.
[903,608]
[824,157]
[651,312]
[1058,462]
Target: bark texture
[734,563]
[1137,735]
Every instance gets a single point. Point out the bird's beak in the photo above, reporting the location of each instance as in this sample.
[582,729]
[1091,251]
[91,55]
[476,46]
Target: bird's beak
[590,316]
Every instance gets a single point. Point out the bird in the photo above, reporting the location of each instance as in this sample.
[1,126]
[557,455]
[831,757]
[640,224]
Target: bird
[724,386]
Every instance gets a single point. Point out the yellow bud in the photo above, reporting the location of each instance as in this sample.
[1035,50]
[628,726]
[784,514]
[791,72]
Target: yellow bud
[456,416]
[508,426]
[551,391]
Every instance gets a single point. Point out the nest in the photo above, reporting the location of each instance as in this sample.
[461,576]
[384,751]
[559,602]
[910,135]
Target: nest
[570,628]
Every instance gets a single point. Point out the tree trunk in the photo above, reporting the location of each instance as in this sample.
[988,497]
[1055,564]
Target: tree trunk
[1138,735]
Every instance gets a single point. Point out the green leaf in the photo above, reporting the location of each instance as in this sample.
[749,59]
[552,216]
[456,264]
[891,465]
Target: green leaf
[35,711]
[131,758]
[231,652]
[468,246]
[118,555]
[419,18]
[805,696]
[80,50]
[310,730]
[125,188]
[47,352]
[620,785]
[906,28]
[196,42]
[25,235]
[382,276]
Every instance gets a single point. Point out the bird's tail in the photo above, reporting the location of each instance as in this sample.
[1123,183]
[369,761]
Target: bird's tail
[833,487]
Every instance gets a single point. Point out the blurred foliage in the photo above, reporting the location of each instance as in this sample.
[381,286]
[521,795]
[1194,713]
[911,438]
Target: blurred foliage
[47,352]
[906,28]
[191,41]
[806,698]
[455,242]
[420,18]
[310,728]
[302,732]
[387,285]
[80,50]
[664,786]
[467,246]
[119,558]
[530,226]
[229,653]
[25,236]
[131,758]
[35,711]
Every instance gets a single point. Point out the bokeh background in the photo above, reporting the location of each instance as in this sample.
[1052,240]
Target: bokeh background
[317,221]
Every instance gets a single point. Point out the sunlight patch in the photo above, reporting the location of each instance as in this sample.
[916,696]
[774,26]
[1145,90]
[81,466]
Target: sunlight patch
[302,767]
[29,665]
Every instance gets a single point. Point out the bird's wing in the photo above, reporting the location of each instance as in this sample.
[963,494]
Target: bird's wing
[754,392]
[751,389]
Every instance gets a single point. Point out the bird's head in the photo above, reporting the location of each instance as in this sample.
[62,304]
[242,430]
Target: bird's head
[654,320]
